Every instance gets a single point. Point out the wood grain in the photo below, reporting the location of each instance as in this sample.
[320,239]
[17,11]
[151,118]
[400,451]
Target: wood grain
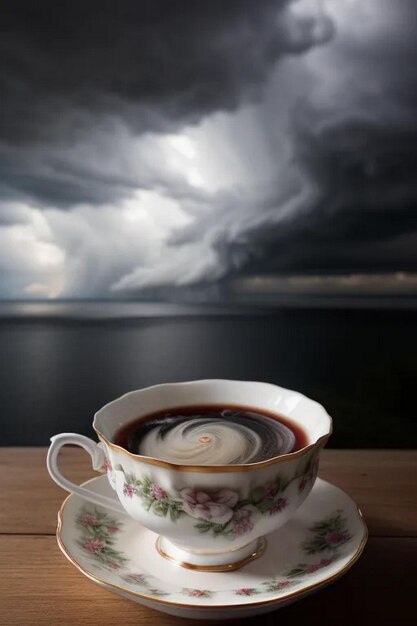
[42,588]
[39,586]
[383,483]
[28,491]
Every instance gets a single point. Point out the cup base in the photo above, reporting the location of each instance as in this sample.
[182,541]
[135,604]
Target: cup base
[211,561]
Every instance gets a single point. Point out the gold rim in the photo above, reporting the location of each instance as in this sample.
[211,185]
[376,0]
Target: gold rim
[209,469]
[205,469]
[284,598]
[228,567]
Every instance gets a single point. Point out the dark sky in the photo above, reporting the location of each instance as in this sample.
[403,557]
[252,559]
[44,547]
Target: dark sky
[161,144]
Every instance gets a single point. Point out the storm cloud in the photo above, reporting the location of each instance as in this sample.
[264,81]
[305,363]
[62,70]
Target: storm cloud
[164,59]
[79,76]
[154,144]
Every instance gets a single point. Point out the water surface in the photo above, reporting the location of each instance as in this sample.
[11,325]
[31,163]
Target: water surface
[57,368]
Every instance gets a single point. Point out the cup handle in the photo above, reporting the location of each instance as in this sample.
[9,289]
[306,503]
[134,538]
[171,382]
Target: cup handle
[97,457]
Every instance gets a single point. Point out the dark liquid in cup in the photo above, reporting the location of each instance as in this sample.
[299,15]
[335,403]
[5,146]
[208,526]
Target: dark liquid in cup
[211,435]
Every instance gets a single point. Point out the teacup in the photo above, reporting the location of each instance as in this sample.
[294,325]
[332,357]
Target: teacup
[207,517]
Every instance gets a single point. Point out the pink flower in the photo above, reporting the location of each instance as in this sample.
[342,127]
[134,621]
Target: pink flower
[216,507]
[302,484]
[335,538]
[89,520]
[94,545]
[114,566]
[135,578]
[242,522]
[129,490]
[157,493]
[106,465]
[268,490]
[312,568]
[281,584]
[245,591]
[112,529]
[278,506]
[197,593]
[316,566]
[309,475]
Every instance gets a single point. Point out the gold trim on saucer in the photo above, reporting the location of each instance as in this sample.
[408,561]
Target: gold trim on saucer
[155,600]
[228,567]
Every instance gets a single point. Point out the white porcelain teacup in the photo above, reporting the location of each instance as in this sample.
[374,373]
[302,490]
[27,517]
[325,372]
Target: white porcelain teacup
[209,517]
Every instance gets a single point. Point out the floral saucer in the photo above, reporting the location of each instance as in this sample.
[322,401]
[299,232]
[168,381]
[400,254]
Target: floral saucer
[320,543]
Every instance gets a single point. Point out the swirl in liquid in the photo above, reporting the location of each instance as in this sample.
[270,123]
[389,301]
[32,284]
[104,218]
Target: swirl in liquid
[210,437]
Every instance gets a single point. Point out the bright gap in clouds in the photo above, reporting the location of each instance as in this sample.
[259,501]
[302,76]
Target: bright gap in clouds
[180,207]
[182,144]
[181,155]
[29,250]
[106,242]
[225,151]
[119,246]
[205,176]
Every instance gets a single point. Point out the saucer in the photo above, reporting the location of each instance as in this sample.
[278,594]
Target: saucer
[320,543]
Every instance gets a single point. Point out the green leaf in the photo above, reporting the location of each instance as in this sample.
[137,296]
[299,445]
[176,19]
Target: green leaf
[160,508]
[174,513]
[147,502]
[298,570]
[157,592]
[331,523]
[281,484]
[146,484]
[256,495]
[265,505]
[203,527]
[318,544]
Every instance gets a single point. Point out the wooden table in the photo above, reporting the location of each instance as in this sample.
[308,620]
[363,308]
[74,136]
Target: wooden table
[38,586]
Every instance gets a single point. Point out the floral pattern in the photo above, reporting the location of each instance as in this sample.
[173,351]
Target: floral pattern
[197,593]
[153,497]
[216,507]
[106,467]
[309,473]
[98,537]
[98,534]
[268,586]
[219,512]
[278,585]
[241,522]
[329,534]
[308,568]
[247,591]
[143,581]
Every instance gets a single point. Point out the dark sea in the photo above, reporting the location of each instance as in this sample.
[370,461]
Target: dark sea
[60,362]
